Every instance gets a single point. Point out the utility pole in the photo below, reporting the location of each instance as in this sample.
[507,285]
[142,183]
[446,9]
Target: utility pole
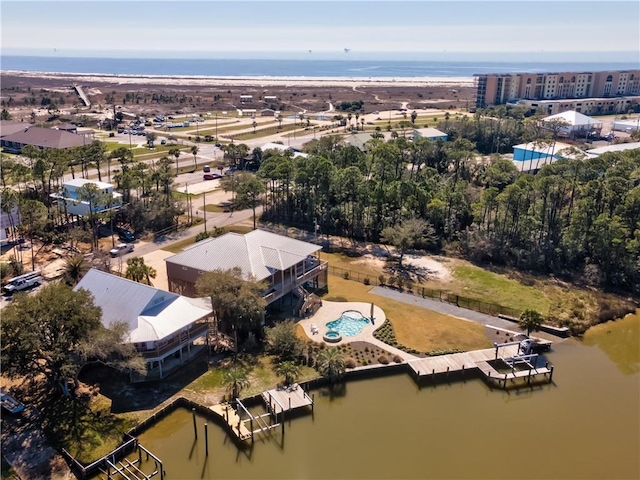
[204,210]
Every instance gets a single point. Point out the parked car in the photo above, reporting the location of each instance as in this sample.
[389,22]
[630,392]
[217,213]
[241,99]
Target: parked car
[126,235]
[206,169]
[121,249]
[208,176]
[163,142]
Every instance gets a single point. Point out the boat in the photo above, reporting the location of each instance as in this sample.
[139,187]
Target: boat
[9,403]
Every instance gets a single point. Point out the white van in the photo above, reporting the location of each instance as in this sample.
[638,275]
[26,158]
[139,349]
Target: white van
[23,282]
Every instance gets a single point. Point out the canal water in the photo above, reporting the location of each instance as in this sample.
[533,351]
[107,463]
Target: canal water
[585,426]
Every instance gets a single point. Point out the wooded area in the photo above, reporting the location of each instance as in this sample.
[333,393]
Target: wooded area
[574,217]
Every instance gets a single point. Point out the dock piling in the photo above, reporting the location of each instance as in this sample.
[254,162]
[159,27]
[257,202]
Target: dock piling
[206,440]
[195,429]
[551,374]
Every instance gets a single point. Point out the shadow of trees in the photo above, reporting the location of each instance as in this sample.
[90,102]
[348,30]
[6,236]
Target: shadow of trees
[130,397]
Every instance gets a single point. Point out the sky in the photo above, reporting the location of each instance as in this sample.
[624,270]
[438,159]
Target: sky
[576,30]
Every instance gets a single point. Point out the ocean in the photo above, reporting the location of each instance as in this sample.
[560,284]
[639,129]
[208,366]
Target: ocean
[289,68]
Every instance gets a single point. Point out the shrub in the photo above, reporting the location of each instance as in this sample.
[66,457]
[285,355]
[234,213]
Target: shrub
[345,275]
[381,279]
[383,359]
[391,281]
[400,283]
[366,281]
[283,342]
[397,359]
[202,236]
[350,362]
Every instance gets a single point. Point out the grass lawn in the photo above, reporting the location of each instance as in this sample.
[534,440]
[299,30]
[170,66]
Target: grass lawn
[508,288]
[261,377]
[209,207]
[261,132]
[476,282]
[415,327]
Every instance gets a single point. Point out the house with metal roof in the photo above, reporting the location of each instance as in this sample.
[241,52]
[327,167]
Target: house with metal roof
[283,148]
[618,147]
[69,198]
[532,156]
[429,133]
[288,266]
[575,123]
[162,326]
[41,138]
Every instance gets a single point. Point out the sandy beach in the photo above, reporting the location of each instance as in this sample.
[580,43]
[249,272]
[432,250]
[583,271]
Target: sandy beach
[185,94]
[201,80]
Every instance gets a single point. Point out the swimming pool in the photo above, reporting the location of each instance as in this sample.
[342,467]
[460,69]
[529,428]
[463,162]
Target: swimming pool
[349,324]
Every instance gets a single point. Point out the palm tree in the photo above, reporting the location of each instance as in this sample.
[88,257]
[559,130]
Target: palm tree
[194,152]
[176,153]
[331,364]
[74,269]
[531,320]
[289,370]
[138,271]
[255,124]
[236,380]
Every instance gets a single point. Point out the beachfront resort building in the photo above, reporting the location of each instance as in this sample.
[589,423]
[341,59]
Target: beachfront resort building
[501,88]
[164,327]
[589,106]
[290,267]
[72,201]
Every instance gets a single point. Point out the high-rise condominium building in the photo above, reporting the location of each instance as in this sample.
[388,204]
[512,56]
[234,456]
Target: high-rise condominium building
[496,88]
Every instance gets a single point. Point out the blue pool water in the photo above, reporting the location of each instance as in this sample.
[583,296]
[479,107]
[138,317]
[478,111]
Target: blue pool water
[349,324]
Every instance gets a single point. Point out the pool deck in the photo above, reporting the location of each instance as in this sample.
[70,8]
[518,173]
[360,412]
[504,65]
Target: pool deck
[331,311]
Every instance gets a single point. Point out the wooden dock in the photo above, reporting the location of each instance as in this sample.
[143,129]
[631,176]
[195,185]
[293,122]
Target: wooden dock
[243,423]
[478,360]
[231,417]
[287,398]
